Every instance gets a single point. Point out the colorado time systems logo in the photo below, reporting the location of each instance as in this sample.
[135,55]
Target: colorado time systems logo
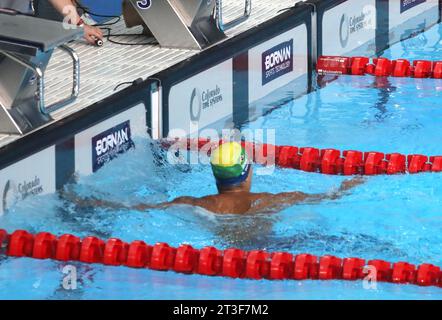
[14,192]
[200,101]
[110,143]
[277,61]
[350,25]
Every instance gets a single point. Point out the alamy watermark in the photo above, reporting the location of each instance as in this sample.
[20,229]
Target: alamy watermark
[370,281]
[259,145]
[71,17]
[70,280]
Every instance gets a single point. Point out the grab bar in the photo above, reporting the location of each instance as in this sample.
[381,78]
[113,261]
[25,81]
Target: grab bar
[75,84]
[40,93]
[219,15]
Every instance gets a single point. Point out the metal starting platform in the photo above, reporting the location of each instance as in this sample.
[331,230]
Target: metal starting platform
[60,88]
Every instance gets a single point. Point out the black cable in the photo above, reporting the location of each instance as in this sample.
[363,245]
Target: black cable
[122,84]
[86,10]
[135,82]
[284,9]
[109,35]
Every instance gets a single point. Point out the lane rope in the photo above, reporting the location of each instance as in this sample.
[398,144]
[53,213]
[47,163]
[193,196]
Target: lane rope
[210,261]
[379,67]
[326,161]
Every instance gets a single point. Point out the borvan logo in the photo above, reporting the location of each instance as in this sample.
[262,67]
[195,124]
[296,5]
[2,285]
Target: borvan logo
[277,61]
[14,192]
[204,100]
[110,143]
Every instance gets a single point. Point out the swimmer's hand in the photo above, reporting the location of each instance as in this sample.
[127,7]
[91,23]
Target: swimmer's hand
[347,185]
[352,183]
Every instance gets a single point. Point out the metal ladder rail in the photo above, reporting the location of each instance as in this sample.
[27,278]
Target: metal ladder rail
[220,20]
[39,74]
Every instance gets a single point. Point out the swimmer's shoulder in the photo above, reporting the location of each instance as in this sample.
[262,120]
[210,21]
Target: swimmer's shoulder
[261,196]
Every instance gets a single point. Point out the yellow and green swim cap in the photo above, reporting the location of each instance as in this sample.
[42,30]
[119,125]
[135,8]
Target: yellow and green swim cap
[230,164]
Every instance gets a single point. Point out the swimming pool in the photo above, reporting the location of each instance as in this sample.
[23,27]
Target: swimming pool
[389,217]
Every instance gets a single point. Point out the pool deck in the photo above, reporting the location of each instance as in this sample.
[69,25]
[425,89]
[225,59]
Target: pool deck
[102,69]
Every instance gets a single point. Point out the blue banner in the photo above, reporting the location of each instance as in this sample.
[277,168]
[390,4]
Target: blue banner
[408,4]
[277,61]
[110,143]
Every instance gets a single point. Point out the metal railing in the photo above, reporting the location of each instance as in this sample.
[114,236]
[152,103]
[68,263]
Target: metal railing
[75,84]
[39,74]
[220,20]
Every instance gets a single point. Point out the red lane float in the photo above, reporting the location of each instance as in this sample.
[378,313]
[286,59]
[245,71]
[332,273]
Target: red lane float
[331,161]
[186,259]
[437,70]
[45,245]
[139,255]
[428,275]
[210,261]
[68,248]
[353,269]
[281,266]
[306,267]
[336,65]
[92,250]
[234,262]
[163,257]
[330,267]
[257,265]
[403,272]
[379,67]
[21,244]
[115,252]
[402,68]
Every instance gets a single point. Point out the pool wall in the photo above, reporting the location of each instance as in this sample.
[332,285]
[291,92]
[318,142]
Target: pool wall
[234,73]
[224,86]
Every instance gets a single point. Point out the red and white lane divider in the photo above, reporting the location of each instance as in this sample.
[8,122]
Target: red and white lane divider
[327,161]
[379,67]
[210,261]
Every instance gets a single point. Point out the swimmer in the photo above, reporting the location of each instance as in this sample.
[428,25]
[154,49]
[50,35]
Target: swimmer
[233,175]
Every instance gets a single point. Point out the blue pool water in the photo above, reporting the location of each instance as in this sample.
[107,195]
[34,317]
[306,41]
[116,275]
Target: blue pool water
[389,217]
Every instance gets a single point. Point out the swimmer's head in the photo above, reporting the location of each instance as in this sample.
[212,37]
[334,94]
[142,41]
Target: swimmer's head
[231,167]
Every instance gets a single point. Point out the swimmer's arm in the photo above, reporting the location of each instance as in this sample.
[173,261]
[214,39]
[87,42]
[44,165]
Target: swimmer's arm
[347,185]
[290,198]
[181,200]
[94,202]
[90,202]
